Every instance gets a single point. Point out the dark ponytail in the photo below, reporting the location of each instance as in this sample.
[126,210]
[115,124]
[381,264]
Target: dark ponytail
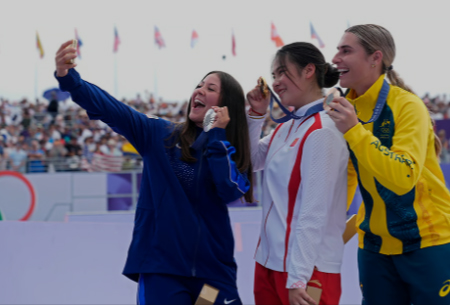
[331,76]
[305,53]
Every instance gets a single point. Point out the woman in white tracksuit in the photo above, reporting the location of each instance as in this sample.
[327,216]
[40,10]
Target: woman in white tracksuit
[304,192]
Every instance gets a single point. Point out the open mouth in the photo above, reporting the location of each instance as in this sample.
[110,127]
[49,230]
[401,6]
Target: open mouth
[343,71]
[281,92]
[198,104]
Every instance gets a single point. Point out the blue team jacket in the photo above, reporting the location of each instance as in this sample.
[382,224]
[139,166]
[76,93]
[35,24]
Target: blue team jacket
[182,226]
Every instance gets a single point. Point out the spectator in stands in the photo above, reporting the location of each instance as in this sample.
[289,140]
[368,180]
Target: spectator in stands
[53,133]
[36,158]
[112,149]
[444,156]
[18,157]
[53,106]
[73,148]
[26,118]
[73,161]
[40,114]
[2,112]
[10,133]
[189,176]
[39,132]
[66,134]
[57,157]
[46,143]
[84,132]
[15,114]
[2,154]
[88,149]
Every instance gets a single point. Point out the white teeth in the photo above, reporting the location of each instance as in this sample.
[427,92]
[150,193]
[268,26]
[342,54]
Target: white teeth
[199,102]
[342,70]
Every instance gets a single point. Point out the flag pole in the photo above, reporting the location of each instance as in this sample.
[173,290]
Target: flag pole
[155,82]
[115,76]
[36,81]
[115,51]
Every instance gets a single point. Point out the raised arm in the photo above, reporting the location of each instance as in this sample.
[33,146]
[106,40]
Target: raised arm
[135,126]
[255,119]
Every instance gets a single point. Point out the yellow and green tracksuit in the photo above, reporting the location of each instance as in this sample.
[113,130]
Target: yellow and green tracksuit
[406,203]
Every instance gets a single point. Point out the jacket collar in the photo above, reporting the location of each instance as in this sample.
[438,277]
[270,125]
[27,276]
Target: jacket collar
[364,104]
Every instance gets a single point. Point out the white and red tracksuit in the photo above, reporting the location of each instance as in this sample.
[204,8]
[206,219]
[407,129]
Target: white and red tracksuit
[304,195]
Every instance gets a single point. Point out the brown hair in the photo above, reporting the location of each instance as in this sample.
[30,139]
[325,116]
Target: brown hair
[232,96]
[372,38]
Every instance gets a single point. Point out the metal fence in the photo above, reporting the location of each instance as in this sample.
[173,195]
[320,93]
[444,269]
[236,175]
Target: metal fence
[98,163]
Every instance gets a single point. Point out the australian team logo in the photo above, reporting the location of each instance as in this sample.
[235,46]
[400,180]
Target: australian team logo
[385,129]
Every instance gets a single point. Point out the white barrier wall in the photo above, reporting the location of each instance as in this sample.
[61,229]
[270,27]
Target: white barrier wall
[81,261]
[55,195]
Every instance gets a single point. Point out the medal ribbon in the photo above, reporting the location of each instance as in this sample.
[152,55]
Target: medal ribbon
[381,101]
[288,114]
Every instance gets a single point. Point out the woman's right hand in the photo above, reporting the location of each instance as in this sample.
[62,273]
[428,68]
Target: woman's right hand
[257,102]
[62,58]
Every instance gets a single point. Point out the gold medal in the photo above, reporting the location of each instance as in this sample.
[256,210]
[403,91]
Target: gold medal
[263,87]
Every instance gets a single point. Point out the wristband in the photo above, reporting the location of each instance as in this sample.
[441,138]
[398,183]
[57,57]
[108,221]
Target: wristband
[253,110]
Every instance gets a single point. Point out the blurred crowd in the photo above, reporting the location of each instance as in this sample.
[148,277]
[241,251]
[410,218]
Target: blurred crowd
[439,108]
[49,136]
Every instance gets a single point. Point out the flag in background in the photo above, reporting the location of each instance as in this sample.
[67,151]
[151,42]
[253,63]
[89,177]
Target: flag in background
[80,43]
[275,37]
[158,38]
[233,44]
[314,35]
[116,40]
[194,38]
[39,46]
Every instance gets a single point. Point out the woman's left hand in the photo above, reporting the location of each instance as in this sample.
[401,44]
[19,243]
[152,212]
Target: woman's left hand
[222,117]
[343,114]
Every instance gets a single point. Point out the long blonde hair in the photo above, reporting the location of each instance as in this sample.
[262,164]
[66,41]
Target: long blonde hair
[372,38]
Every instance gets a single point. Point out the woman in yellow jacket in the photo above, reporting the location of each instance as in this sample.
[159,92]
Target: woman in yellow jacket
[404,221]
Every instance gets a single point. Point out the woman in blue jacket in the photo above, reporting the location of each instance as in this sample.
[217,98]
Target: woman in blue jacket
[182,235]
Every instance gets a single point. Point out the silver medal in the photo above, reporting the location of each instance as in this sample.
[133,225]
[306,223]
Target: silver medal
[209,119]
[329,99]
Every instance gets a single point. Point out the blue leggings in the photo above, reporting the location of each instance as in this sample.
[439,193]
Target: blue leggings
[417,277]
[161,289]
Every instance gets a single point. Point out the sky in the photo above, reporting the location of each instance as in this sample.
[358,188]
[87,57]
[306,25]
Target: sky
[171,73]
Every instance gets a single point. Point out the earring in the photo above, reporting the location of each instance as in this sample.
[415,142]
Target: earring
[373,66]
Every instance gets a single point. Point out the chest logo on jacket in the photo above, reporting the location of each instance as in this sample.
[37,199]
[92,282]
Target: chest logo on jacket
[385,129]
